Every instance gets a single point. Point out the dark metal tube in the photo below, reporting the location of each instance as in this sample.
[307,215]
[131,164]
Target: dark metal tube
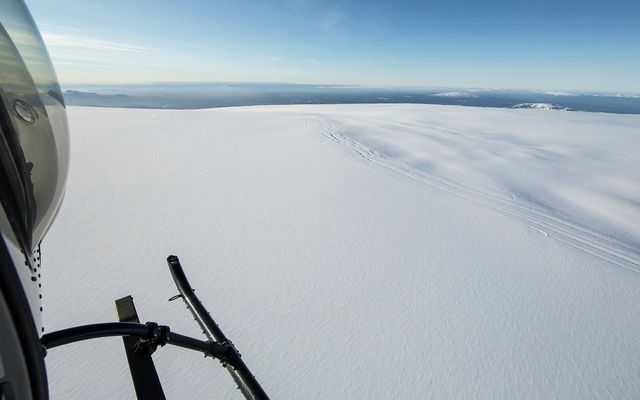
[240,373]
[93,331]
[109,329]
[188,343]
[209,348]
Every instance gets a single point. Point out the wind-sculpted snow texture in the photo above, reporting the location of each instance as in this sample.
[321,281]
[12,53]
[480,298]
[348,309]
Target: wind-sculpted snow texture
[357,251]
[577,176]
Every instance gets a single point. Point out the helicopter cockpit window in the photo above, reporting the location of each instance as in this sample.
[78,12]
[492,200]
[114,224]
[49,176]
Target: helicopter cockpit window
[34,139]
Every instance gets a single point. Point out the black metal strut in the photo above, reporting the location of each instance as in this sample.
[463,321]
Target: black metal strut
[239,371]
[154,334]
[151,335]
[143,371]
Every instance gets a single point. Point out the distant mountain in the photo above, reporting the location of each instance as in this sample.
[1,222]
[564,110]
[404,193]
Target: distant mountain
[213,95]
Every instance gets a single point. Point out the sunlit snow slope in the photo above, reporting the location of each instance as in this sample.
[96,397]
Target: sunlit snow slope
[357,251]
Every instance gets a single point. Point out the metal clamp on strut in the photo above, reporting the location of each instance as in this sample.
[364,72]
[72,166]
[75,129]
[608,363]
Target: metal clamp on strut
[157,336]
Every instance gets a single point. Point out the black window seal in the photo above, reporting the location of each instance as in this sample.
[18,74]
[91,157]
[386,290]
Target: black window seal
[17,195]
[13,292]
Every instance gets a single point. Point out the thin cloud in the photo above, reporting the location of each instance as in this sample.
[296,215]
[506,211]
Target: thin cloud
[318,14]
[89,43]
[316,63]
[332,18]
[44,26]
[65,63]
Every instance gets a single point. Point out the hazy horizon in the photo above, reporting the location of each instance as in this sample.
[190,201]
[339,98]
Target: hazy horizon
[198,95]
[554,91]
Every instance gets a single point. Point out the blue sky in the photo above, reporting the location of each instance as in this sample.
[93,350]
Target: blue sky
[560,45]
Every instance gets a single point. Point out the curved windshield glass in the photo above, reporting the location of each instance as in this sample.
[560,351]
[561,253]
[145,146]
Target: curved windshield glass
[34,127]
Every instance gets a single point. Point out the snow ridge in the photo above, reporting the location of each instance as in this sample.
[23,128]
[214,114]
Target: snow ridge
[540,106]
[454,94]
[568,233]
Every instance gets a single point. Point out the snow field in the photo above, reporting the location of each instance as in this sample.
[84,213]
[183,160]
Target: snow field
[365,251]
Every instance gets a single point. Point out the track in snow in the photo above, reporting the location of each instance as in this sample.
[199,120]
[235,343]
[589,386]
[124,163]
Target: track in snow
[570,234]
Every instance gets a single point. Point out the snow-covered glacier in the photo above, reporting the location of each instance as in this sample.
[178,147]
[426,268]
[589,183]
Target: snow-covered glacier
[356,251]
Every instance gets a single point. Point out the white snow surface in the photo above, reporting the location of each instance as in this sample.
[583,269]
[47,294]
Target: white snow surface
[356,251]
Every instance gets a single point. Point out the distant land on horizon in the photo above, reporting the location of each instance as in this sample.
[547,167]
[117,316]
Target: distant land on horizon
[197,95]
